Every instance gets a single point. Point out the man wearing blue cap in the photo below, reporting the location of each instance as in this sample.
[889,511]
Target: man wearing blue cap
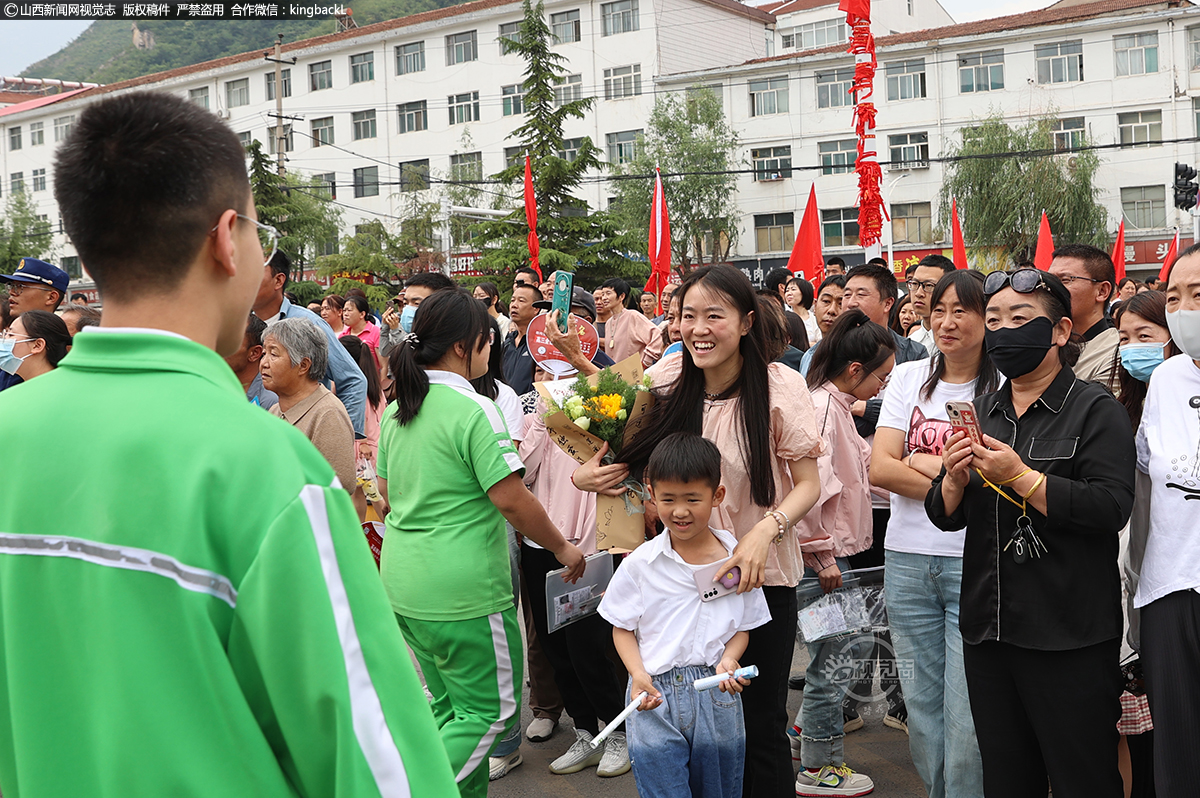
[35,285]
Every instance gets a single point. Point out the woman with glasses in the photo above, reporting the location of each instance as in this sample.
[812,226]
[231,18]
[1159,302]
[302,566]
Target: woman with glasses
[1043,499]
[32,346]
[923,564]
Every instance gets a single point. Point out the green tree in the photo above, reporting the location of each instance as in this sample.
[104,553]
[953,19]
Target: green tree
[689,139]
[372,252]
[22,233]
[297,207]
[570,235]
[1008,176]
[306,291]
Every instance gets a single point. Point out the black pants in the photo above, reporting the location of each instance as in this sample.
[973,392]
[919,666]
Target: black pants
[583,672]
[1171,662]
[1042,714]
[769,771]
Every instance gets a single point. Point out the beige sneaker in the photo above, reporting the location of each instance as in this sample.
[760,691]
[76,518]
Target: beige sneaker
[615,761]
[579,756]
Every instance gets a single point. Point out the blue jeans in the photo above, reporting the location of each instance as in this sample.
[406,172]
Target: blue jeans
[512,740]
[694,743]
[834,666]
[922,594]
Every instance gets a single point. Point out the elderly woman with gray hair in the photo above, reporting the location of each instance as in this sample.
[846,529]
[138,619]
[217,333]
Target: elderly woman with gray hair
[295,355]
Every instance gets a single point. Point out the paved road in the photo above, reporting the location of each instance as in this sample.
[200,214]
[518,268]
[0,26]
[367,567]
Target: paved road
[876,750]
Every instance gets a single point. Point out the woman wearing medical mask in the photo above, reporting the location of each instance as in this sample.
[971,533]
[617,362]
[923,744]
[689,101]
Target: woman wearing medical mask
[1145,343]
[1043,500]
[31,347]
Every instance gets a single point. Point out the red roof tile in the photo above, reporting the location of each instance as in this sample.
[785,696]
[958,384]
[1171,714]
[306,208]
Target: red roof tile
[790,6]
[37,102]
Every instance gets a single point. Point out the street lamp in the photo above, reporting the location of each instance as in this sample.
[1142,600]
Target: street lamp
[888,201]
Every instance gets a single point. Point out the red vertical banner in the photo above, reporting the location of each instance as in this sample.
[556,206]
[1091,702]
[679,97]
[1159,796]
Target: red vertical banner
[1169,260]
[871,212]
[531,220]
[1118,254]
[1044,253]
[806,258]
[660,241]
[960,246]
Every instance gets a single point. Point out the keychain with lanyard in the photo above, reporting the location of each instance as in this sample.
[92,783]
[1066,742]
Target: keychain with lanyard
[1024,540]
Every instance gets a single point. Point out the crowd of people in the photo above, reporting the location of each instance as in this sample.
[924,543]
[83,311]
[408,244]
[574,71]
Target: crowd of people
[1040,571]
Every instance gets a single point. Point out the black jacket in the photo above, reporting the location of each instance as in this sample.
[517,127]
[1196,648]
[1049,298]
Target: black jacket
[1078,435]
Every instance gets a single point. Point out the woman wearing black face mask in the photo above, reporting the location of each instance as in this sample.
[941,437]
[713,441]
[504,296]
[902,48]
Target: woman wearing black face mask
[1043,501]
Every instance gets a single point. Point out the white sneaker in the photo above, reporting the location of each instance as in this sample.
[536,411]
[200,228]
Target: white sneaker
[615,761]
[499,766]
[579,756]
[832,781]
[540,730]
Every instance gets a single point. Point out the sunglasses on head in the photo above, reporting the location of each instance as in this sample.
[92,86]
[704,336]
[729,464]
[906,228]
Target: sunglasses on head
[1023,281]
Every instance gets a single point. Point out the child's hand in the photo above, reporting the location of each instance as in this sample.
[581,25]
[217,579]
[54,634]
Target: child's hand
[641,683]
[731,686]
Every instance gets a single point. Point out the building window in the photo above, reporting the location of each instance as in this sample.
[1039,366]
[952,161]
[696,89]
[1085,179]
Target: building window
[287,138]
[622,147]
[839,227]
[570,149]
[835,89]
[837,157]
[39,179]
[1136,53]
[362,67]
[237,93]
[413,117]
[16,182]
[366,182]
[513,156]
[1193,36]
[909,150]
[1059,63]
[513,98]
[694,93]
[910,7]
[623,81]
[906,79]
[199,96]
[912,223]
[1195,113]
[565,27]
[816,34]
[410,58]
[772,163]
[322,131]
[568,89]
[1140,128]
[327,183]
[1068,133]
[768,96]
[464,107]
[467,166]
[773,232]
[62,127]
[414,175]
[244,138]
[285,78]
[70,265]
[1145,207]
[981,71]
[364,124]
[461,48]
[14,138]
[510,32]
[619,17]
[320,76]
[37,133]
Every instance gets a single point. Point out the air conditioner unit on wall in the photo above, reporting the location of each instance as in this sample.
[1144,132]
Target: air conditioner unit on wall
[222,113]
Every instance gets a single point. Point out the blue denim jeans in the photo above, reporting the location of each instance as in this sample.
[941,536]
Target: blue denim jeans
[922,594]
[512,740]
[694,743]
[834,666]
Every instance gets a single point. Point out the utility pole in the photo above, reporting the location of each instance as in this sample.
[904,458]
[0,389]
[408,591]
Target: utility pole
[280,138]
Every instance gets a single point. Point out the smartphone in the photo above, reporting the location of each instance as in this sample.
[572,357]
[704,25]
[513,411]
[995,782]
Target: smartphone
[727,583]
[962,419]
[564,282]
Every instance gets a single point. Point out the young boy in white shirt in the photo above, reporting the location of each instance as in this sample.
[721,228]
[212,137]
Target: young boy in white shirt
[683,742]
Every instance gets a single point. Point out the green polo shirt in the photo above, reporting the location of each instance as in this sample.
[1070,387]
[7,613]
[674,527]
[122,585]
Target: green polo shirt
[187,607]
[445,552]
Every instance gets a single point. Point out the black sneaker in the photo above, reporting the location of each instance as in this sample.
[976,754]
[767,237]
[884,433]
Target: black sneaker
[795,682]
[851,720]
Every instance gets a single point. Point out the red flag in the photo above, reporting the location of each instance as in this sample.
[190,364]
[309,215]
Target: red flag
[531,220]
[960,246]
[1169,261]
[660,241]
[1118,254]
[806,258]
[1045,246]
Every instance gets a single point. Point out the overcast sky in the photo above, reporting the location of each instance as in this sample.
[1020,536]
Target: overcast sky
[25,43]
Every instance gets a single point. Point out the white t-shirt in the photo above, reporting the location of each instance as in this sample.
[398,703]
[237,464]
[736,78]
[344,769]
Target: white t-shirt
[654,595]
[1168,449]
[926,428]
[510,406]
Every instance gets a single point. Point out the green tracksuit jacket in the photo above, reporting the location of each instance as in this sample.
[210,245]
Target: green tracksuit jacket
[187,608]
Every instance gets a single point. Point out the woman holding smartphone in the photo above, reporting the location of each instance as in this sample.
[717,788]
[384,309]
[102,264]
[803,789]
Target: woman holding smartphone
[1042,500]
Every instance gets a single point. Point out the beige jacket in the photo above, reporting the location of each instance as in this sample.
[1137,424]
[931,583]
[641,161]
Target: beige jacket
[1097,362]
[324,421]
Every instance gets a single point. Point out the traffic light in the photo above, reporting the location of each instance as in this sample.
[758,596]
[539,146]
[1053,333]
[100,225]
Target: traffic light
[1186,187]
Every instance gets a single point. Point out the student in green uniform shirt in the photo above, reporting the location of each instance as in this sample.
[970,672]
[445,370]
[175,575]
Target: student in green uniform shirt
[451,475]
[195,612]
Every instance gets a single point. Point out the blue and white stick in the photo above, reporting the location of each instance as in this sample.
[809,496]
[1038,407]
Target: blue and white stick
[709,682]
[618,720]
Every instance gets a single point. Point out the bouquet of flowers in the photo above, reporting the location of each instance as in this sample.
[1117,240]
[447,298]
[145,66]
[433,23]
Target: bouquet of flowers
[602,409]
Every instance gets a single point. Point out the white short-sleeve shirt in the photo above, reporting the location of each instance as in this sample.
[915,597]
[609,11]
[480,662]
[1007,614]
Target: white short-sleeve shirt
[654,594]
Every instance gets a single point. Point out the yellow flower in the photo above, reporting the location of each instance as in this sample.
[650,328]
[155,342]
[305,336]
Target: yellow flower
[607,405]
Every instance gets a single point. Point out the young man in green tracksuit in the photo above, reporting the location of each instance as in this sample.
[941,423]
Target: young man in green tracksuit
[191,609]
